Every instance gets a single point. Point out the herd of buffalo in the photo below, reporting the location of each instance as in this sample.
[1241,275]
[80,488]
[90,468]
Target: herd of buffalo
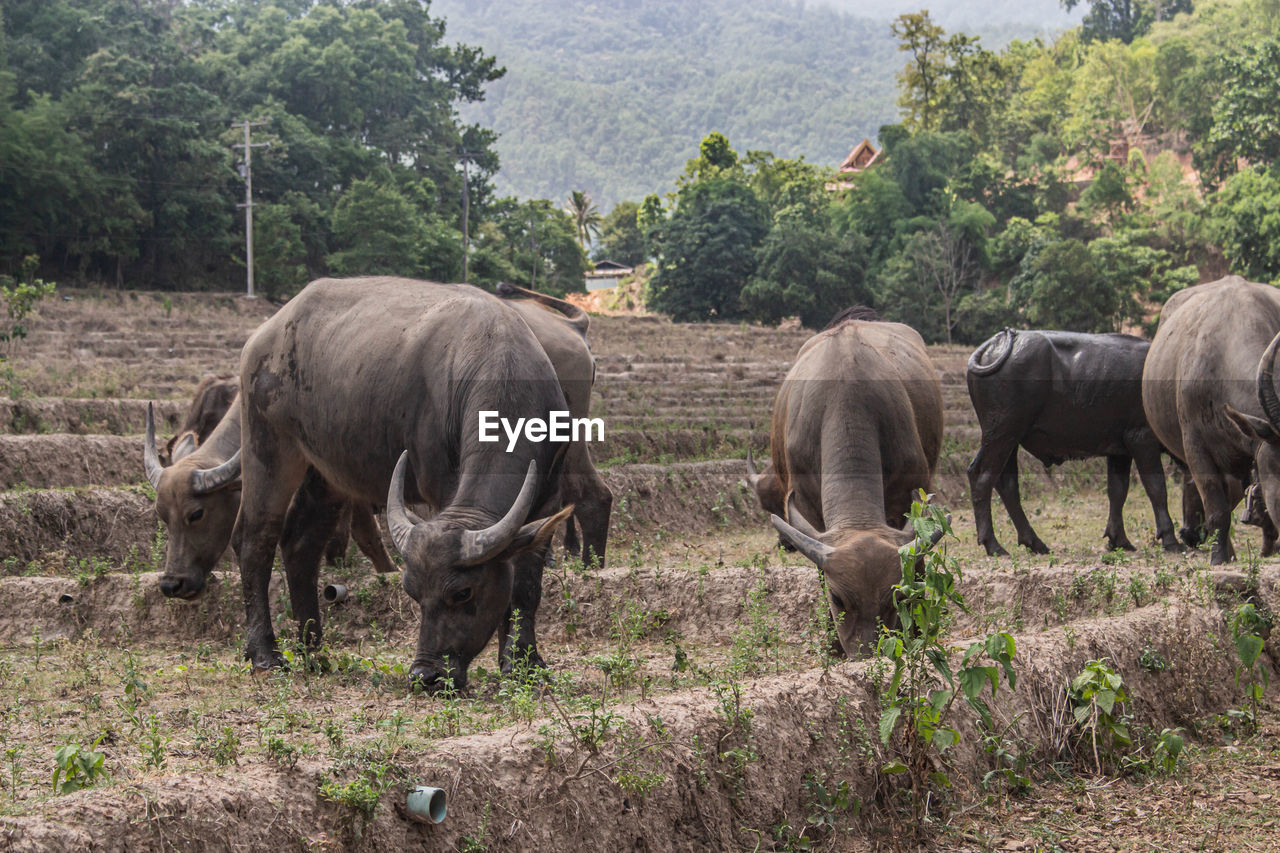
[365,393]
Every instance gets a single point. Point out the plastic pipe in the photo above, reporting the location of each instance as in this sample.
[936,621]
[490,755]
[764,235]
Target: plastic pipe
[427,805]
[335,592]
[66,598]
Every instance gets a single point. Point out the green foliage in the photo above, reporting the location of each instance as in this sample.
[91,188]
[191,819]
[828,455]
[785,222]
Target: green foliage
[21,296]
[1124,19]
[76,767]
[918,700]
[532,244]
[621,237]
[707,251]
[1249,626]
[1246,117]
[1246,222]
[1098,695]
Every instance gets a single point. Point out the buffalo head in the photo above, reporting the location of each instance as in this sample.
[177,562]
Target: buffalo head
[460,577]
[198,507]
[1265,430]
[861,568]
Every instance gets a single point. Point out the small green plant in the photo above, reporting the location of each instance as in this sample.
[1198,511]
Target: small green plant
[475,842]
[1248,627]
[154,746]
[21,296]
[923,688]
[1099,696]
[76,767]
[1165,753]
[360,794]
[1151,660]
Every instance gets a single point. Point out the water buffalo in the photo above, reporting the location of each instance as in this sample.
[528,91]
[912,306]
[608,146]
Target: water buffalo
[1208,393]
[345,380]
[561,328]
[857,426]
[1062,395]
[213,398]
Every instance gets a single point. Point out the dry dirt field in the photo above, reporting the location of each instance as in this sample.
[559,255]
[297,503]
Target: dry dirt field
[691,704]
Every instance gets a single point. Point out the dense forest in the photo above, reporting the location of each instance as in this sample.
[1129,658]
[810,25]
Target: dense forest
[118,157]
[1070,184]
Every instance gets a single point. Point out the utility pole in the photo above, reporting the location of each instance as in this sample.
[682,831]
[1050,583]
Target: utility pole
[533,250]
[467,158]
[247,173]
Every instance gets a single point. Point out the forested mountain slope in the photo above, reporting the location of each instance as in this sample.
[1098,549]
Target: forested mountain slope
[610,97]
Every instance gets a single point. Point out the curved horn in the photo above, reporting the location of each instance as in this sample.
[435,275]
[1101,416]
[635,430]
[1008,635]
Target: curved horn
[206,480]
[1267,384]
[817,551]
[479,546]
[399,521]
[150,458]
[796,518]
[753,476]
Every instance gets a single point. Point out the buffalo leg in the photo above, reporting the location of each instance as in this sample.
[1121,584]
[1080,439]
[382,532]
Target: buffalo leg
[336,551]
[306,535]
[368,536]
[265,499]
[1151,473]
[1012,498]
[983,470]
[592,506]
[517,640]
[1214,493]
[1193,530]
[1117,490]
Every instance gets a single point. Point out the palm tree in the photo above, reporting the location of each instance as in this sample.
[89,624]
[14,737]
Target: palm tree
[586,217]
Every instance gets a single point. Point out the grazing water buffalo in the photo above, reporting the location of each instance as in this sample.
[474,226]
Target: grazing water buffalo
[349,377]
[356,378]
[1209,395]
[561,328]
[212,401]
[1062,395]
[857,426]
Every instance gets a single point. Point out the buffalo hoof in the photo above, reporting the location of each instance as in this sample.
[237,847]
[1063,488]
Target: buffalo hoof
[1173,547]
[431,681]
[1122,545]
[265,661]
[1190,536]
[995,550]
[1036,546]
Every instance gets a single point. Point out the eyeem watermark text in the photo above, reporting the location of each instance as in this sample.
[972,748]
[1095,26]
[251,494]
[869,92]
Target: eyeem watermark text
[560,427]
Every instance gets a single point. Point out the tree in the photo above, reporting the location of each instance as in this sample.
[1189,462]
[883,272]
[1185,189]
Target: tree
[1246,117]
[532,244]
[1124,19]
[586,218]
[920,80]
[621,238]
[1245,220]
[377,230]
[707,251]
[805,270]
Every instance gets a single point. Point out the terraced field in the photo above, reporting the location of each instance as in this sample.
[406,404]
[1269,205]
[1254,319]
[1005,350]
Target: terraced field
[692,704]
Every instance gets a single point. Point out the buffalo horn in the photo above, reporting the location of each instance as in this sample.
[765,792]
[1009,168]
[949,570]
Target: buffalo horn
[206,480]
[399,522]
[479,546]
[797,520]
[753,476]
[1267,384]
[817,551]
[150,458]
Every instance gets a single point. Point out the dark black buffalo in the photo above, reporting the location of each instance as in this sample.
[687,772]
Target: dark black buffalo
[1062,395]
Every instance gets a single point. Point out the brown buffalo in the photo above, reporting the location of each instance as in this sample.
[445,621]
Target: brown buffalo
[857,427]
[561,328]
[1207,390]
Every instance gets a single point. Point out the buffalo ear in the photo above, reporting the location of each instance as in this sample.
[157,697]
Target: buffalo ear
[182,447]
[535,534]
[1252,426]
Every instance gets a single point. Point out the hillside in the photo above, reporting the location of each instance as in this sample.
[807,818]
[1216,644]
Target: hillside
[613,97]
